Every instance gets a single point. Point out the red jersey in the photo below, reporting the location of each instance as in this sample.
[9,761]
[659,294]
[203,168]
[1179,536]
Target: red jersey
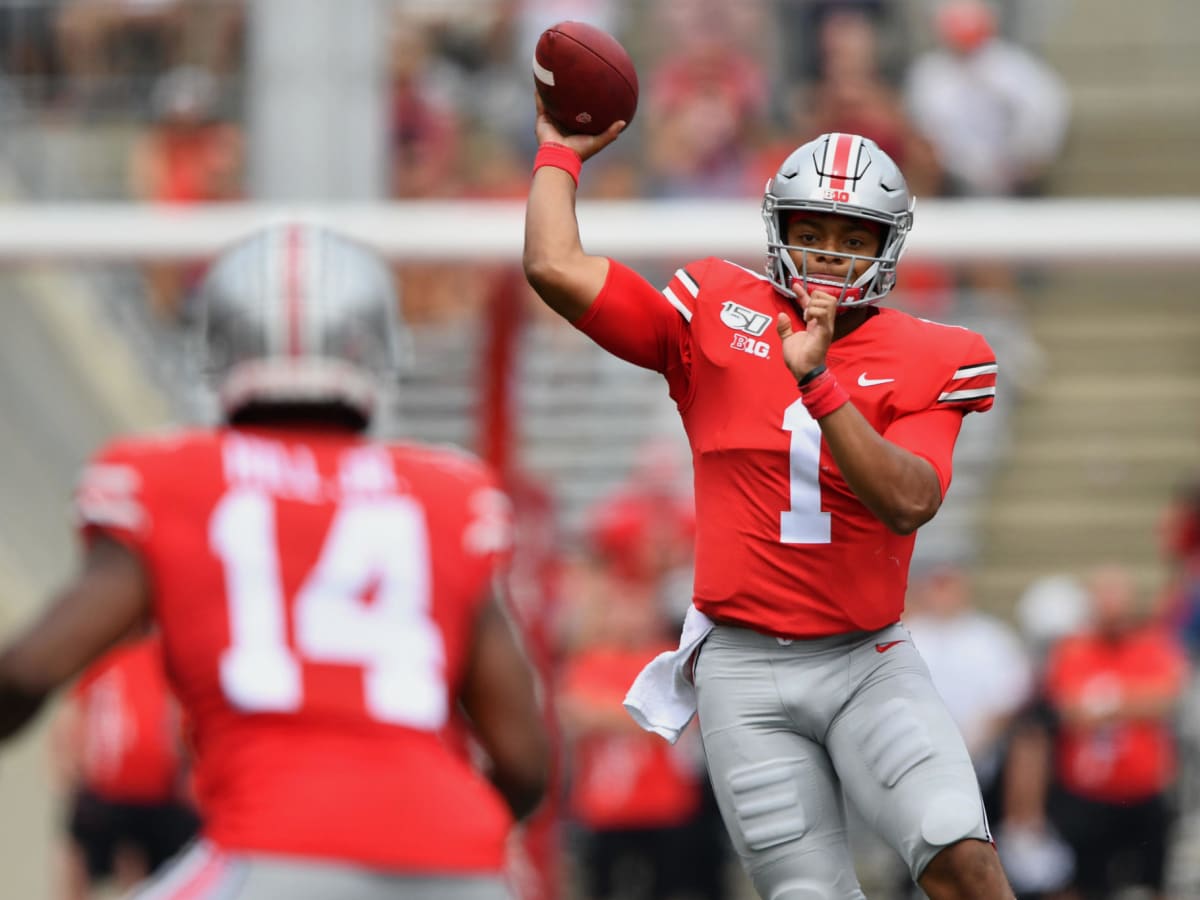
[316,595]
[783,545]
[130,735]
[632,779]
[1121,761]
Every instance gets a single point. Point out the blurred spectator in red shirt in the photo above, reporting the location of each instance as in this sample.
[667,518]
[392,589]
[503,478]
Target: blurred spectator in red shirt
[632,794]
[119,746]
[851,95]
[1114,689]
[426,133]
[706,103]
[643,534]
[641,804]
[191,154]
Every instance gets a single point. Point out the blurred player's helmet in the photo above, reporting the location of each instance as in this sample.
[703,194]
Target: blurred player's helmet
[299,316]
[849,175]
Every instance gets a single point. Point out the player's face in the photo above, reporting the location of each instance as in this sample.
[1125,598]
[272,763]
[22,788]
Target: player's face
[823,237]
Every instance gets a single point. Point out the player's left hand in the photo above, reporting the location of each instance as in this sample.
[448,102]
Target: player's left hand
[804,350]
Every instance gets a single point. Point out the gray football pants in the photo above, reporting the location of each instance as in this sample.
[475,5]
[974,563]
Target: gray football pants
[789,726]
[207,873]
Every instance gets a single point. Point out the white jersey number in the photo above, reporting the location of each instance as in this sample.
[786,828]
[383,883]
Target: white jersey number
[804,523]
[366,602]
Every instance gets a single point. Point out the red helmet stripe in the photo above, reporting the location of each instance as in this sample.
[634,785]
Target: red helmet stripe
[293,290]
[843,143]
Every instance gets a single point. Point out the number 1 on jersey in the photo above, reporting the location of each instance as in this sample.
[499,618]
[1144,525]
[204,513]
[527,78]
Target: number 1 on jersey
[803,522]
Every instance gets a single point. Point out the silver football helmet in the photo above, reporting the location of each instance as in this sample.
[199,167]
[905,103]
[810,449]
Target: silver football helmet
[849,175]
[299,315]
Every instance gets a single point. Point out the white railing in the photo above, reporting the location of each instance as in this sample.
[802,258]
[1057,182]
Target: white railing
[1118,231]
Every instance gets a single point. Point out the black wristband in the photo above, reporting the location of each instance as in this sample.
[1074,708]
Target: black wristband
[809,376]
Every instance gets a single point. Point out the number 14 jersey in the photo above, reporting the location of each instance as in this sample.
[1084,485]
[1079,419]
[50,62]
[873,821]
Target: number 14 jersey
[783,545]
[317,597]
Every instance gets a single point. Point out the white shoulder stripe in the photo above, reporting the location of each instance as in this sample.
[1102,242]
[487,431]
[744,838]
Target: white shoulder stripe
[688,282]
[674,301]
[976,371]
[967,395]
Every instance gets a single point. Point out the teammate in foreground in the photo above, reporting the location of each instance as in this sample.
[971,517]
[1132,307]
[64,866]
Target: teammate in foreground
[822,429]
[325,601]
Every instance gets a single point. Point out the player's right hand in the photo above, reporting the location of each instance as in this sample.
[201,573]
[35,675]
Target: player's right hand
[586,145]
[804,350]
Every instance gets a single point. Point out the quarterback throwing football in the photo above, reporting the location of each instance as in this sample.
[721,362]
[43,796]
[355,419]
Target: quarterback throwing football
[822,429]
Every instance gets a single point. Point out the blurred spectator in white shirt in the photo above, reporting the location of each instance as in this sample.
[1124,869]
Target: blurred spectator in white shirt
[977,662]
[996,115]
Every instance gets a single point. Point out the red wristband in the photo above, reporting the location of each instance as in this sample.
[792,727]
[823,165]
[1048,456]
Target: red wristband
[823,395]
[559,156]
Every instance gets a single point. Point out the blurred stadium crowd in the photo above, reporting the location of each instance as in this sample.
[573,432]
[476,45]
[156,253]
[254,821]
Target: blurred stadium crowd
[1075,706]
[148,100]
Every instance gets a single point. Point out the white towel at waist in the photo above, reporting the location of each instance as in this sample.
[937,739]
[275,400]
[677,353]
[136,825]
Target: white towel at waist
[662,698]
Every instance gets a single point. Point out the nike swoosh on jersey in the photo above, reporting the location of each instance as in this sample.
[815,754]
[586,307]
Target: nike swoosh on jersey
[884,648]
[864,381]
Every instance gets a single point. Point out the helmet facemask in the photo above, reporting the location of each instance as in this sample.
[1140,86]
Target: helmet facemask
[843,175]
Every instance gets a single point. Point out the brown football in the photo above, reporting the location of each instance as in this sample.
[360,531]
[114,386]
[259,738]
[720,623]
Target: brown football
[585,78]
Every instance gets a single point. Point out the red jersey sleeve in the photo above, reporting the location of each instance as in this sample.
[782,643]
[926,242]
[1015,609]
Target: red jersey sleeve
[930,434]
[960,378]
[112,496]
[971,385]
[632,319]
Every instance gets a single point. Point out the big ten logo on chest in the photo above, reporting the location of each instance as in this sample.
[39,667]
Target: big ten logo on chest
[761,349]
[290,471]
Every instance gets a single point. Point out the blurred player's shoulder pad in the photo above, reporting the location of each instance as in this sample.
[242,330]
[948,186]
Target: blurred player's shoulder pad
[489,511]
[112,486]
[449,459]
[142,453]
[147,445]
